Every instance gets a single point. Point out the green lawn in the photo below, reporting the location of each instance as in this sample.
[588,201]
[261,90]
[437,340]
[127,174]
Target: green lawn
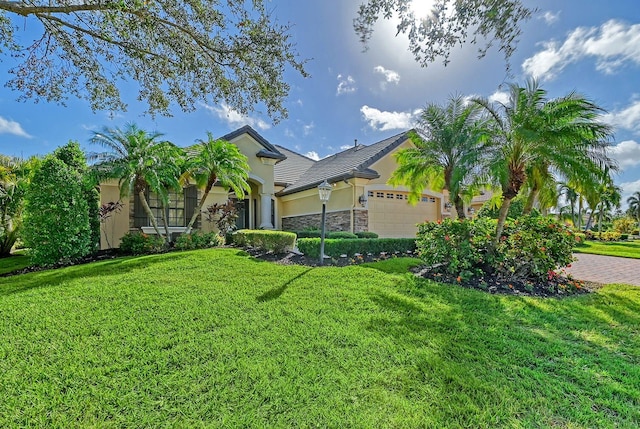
[625,249]
[217,339]
[15,262]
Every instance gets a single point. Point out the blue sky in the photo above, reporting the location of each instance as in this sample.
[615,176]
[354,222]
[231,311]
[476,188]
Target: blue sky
[590,46]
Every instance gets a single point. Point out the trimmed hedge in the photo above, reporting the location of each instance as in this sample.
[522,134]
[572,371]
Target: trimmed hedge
[366,234]
[271,241]
[337,247]
[335,234]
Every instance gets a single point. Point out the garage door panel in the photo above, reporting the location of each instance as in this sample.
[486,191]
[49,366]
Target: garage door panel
[397,218]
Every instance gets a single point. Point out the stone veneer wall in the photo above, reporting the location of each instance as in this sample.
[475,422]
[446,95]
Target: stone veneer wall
[336,221]
[361,220]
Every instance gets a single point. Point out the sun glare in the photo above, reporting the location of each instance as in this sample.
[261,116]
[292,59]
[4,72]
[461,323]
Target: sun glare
[422,8]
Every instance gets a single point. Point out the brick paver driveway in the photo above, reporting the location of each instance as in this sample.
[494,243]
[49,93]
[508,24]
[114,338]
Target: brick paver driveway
[605,269]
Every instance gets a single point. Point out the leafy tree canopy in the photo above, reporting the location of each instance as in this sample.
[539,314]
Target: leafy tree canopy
[450,24]
[181,52]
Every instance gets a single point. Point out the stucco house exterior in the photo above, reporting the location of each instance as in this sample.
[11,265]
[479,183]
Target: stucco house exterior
[284,193]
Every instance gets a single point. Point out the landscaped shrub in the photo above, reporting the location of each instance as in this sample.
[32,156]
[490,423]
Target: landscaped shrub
[139,243]
[529,249]
[198,240]
[366,234]
[271,241]
[341,234]
[349,247]
[609,236]
[308,233]
[624,225]
[56,227]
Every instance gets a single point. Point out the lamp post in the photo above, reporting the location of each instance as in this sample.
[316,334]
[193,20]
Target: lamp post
[324,191]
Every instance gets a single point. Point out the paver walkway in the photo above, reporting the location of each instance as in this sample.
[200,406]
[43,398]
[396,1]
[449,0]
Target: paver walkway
[605,269]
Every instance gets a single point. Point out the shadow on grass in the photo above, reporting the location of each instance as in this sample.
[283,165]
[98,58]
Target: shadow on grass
[394,265]
[275,293]
[46,278]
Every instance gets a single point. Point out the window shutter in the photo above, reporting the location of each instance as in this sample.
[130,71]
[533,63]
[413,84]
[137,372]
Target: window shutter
[190,205]
[139,215]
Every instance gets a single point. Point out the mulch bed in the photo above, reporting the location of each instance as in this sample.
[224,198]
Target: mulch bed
[559,286]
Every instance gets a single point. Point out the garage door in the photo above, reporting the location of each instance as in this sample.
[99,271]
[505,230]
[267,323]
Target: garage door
[391,215]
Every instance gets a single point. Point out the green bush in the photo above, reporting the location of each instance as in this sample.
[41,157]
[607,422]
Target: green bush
[337,247]
[198,240]
[341,234]
[271,241]
[139,243]
[56,227]
[311,233]
[530,248]
[581,237]
[366,234]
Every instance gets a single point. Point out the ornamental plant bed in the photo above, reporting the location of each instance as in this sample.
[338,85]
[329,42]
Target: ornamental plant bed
[293,258]
[557,284]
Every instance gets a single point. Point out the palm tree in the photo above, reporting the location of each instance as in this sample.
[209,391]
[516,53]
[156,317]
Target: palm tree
[214,161]
[634,206]
[139,161]
[563,134]
[14,179]
[446,150]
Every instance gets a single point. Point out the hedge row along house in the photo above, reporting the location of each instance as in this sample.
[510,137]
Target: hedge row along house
[284,193]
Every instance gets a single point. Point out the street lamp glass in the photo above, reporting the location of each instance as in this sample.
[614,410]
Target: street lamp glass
[324,191]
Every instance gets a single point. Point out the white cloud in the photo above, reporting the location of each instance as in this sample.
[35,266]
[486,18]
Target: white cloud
[627,153]
[383,121]
[390,76]
[306,129]
[8,126]
[299,102]
[628,189]
[627,118]
[313,155]
[499,97]
[289,133]
[345,147]
[346,85]
[612,44]
[550,17]
[236,119]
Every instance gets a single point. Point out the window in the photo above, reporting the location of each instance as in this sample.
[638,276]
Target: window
[399,197]
[425,199]
[174,210]
[178,210]
[380,194]
[432,200]
[389,195]
[370,193]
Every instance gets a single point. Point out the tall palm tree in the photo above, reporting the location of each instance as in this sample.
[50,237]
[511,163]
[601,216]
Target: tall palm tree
[139,160]
[445,153]
[531,130]
[214,161]
[634,206]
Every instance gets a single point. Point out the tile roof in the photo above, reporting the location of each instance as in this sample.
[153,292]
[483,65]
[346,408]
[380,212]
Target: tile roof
[291,169]
[353,162]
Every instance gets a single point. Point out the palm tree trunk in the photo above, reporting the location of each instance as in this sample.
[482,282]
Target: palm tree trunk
[147,210]
[198,210]
[165,223]
[459,204]
[502,218]
[600,218]
[580,213]
[531,199]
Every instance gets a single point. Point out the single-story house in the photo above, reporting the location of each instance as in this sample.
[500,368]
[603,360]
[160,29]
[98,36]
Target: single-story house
[284,193]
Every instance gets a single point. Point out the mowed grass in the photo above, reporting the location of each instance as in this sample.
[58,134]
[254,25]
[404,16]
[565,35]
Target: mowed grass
[15,262]
[625,249]
[217,339]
